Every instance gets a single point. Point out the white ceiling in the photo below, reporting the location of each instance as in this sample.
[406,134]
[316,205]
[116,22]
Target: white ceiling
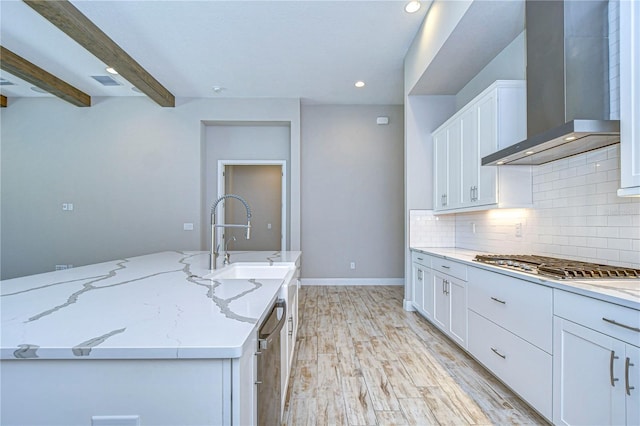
[313,50]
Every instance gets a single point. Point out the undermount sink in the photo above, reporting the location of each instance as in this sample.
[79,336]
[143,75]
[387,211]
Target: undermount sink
[246,270]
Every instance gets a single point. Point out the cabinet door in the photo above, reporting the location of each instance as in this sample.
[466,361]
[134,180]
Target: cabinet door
[632,384]
[441,169]
[470,159]
[453,198]
[428,294]
[629,98]
[441,301]
[418,287]
[588,382]
[458,309]
[486,109]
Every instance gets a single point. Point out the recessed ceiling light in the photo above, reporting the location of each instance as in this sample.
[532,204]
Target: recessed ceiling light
[111,70]
[412,6]
[570,138]
[530,152]
[359,84]
[218,89]
[500,163]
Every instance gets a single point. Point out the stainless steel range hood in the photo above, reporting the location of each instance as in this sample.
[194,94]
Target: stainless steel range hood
[567,83]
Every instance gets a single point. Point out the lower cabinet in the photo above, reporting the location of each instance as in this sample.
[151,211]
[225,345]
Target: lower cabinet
[450,307]
[288,334]
[522,366]
[596,368]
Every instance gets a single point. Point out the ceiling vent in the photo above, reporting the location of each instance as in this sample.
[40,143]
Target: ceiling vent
[105,80]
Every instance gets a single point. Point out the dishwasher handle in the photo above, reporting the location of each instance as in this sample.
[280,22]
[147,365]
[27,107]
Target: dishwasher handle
[280,303]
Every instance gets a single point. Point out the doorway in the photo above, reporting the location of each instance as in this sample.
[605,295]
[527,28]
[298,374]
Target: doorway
[263,185]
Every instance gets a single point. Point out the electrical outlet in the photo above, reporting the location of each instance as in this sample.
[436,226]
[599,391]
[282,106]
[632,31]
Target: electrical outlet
[187,226]
[519,229]
[353,265]
[473,227]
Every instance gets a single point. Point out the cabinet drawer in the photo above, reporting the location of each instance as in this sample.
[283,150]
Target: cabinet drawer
[455,269]
[524,308]
[421,258]
[523,367]
[599,315]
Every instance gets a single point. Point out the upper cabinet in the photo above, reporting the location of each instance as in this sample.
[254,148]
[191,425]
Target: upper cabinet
[494,119]
[629,99]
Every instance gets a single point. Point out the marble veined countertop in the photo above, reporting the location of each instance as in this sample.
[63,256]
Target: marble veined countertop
[153,306]
[624,292]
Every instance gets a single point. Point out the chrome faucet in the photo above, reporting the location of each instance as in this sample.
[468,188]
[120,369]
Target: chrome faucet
[214,225]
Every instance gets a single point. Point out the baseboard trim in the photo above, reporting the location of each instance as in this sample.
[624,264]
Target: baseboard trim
[351,281]
[408,305]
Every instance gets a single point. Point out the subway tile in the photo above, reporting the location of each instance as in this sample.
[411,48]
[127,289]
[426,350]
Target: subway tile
[597,242]
[625,220]
[607,255]
[620,243]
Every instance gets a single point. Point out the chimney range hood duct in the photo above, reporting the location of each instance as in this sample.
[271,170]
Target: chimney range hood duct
[567,83]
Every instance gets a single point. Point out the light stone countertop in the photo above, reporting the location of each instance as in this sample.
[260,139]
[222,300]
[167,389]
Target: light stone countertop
[624,292]
[145,307]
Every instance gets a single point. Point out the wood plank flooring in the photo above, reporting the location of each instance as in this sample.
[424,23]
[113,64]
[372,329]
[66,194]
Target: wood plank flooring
[362,360]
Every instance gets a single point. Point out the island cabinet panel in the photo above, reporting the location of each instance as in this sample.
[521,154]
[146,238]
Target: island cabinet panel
[71,392]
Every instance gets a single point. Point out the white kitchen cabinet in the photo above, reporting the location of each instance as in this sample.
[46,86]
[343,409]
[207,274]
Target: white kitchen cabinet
[510,333]
[521,307]
[629,98]
[597,362]
[447,167]
[289,333]
[494,119]
[450,306]
[422,281]
[523,367]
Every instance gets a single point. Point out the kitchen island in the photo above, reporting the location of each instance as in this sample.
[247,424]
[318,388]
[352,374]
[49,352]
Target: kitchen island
[146,338]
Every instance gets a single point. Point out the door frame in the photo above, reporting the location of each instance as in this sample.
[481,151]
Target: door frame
[283,191]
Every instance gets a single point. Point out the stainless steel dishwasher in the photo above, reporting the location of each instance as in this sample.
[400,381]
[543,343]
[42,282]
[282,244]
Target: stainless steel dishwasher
[268,373]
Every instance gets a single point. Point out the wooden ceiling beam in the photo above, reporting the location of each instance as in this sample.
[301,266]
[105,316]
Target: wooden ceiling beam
[3,101]
[72,22]
[21,68]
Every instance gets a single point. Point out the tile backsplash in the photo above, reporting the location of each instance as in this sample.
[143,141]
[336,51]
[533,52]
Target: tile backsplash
[576,214]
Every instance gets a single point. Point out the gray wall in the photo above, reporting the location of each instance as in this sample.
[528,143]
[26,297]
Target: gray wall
[352,192]
[261,187]
[242,141]
[133,170]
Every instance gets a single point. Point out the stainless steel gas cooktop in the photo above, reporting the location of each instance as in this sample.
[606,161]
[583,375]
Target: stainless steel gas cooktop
[558,268]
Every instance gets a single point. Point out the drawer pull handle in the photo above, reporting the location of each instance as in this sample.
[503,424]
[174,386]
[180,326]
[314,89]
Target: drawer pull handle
[613,357]
[495,351]
[446,267]
[614,322]
[499,301]
[627,364]
[420,258]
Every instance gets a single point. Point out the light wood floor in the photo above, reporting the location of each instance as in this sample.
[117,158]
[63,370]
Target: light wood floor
[363,360]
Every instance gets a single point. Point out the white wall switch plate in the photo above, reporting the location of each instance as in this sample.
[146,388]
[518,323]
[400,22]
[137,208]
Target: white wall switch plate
[187,226]
[353,265]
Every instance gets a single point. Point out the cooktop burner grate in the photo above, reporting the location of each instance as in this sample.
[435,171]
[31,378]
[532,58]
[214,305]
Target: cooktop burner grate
[558,268]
